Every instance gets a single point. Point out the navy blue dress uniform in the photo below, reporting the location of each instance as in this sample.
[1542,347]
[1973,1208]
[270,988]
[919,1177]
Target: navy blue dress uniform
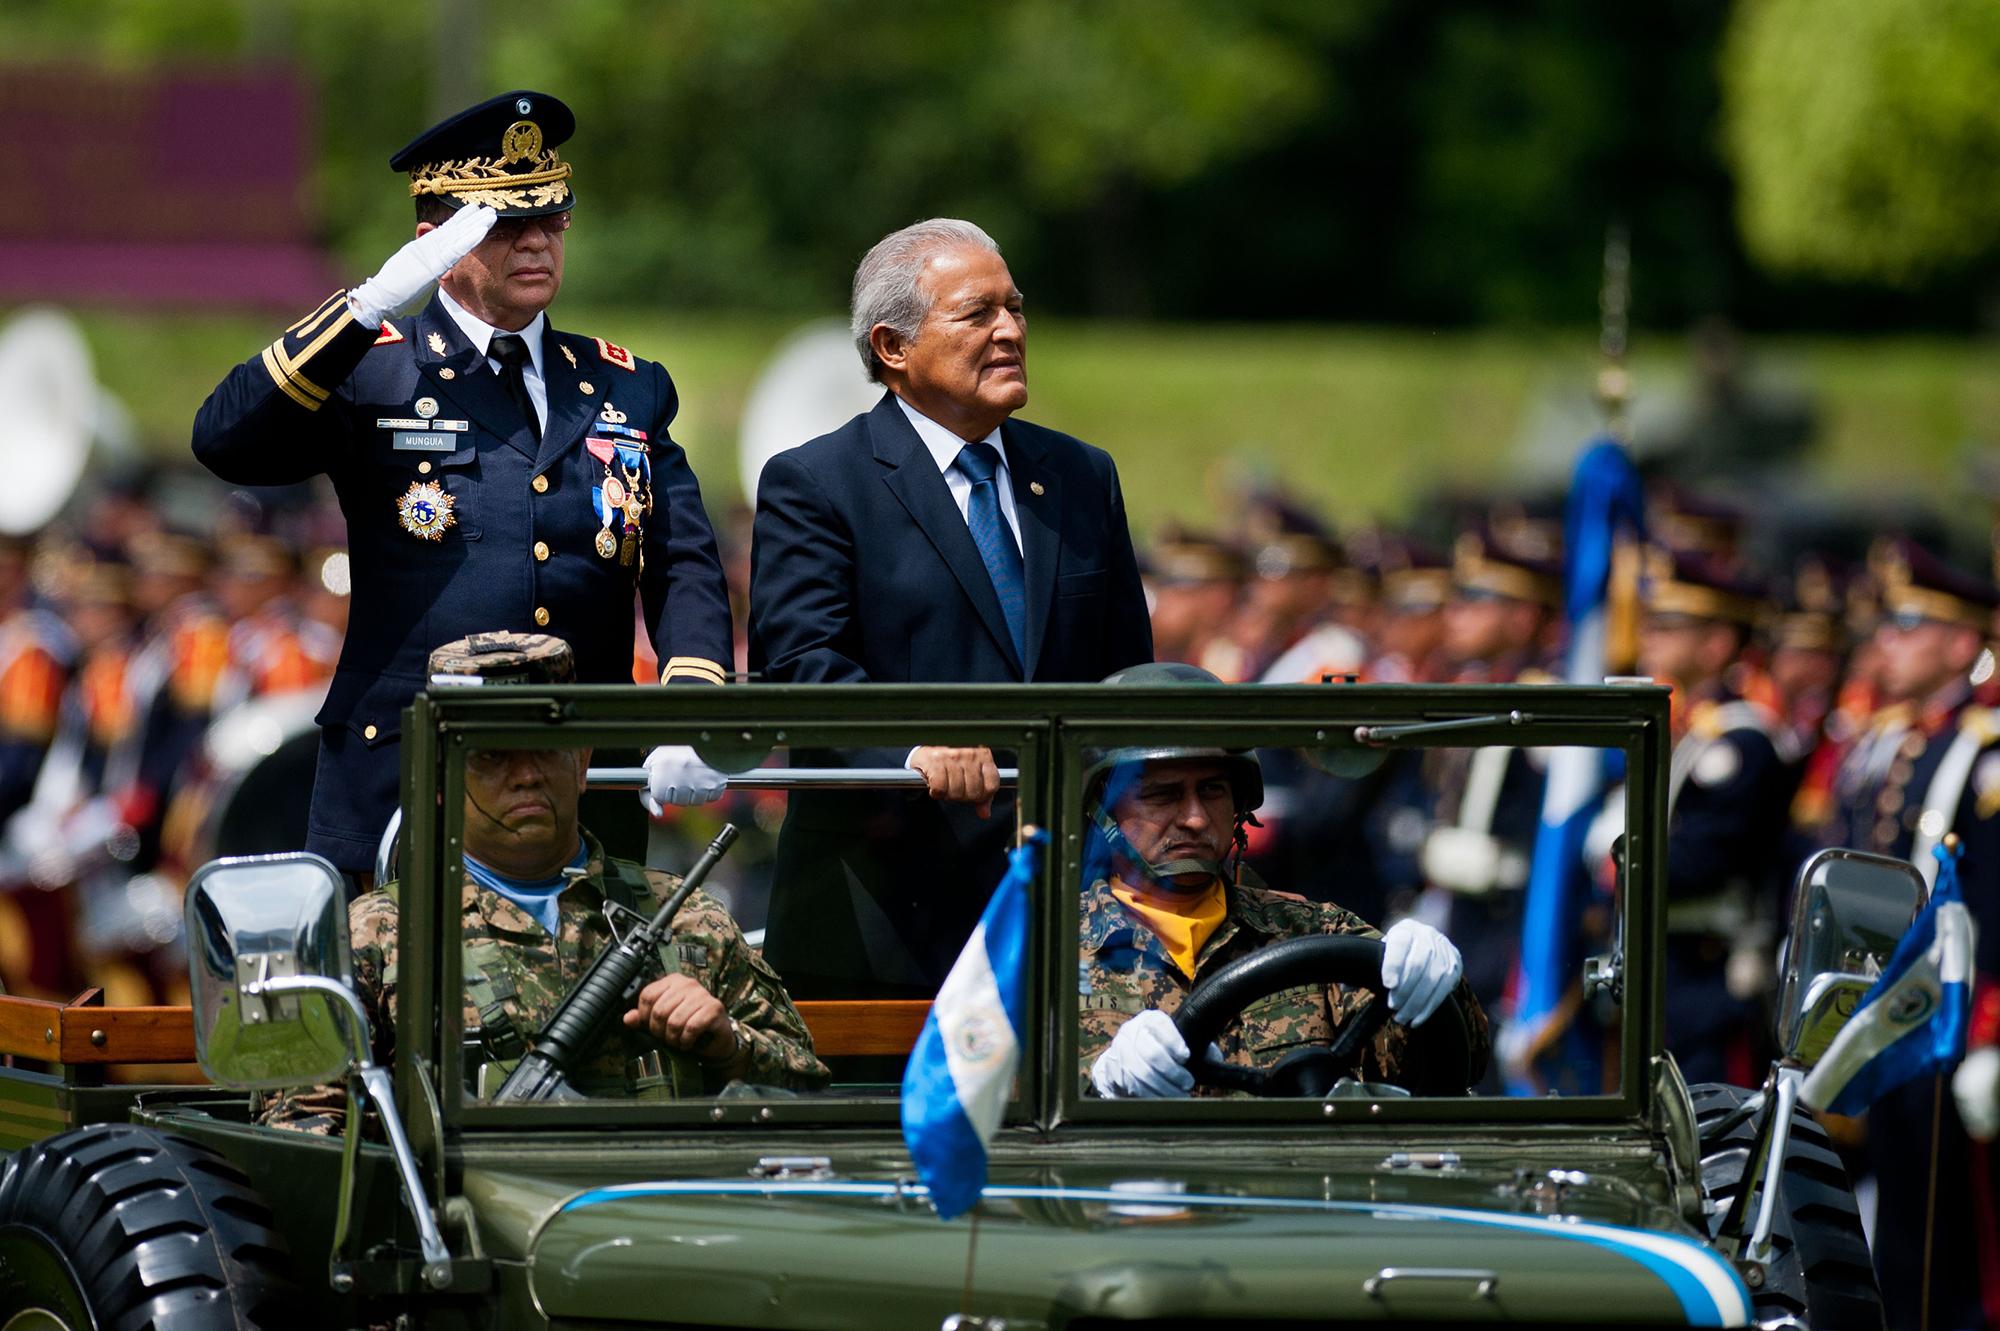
[1729,793]
[1922,769]
[462,515]
[864,570]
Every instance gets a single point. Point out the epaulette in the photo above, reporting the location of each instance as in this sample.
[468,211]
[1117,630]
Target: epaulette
[615,354]
[1705,720]
[389,335]
[1980,722]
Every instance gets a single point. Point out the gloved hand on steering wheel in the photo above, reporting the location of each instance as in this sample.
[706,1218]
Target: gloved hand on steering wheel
[1147,1060]
[1420,967]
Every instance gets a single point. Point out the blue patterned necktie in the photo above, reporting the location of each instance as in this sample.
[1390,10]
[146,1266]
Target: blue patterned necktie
[996,543]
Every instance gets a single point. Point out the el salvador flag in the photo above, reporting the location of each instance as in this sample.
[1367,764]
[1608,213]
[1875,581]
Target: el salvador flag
[961,1073]
[1912,1020]
[1605,499]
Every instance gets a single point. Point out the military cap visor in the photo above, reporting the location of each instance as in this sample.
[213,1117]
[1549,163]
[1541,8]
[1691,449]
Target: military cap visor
[501,153]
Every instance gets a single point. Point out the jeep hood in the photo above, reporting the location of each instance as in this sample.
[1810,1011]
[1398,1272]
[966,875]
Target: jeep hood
[1088,1246]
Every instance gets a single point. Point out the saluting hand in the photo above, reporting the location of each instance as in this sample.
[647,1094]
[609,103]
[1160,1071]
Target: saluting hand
[680,1014]
[963,776]
[420,263]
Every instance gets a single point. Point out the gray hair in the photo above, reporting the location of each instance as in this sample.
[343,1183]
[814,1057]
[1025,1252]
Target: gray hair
[885,285]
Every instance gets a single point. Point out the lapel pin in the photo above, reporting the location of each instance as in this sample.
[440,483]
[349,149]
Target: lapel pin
[447,373]
[1035,487]
[587,387]
[436,341]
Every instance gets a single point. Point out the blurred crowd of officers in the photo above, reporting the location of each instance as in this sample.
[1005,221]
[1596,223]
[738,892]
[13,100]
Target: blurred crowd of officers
[1832,702]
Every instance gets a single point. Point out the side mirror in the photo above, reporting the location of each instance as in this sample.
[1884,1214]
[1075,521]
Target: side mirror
[256,918]
[1849,909]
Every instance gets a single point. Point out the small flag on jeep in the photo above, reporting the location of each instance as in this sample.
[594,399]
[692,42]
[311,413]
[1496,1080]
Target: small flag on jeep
[1913,1020]
[961,1073]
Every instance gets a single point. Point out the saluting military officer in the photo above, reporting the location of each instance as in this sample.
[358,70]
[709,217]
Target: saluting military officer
[495,472]
[1927,765]
[1728,792]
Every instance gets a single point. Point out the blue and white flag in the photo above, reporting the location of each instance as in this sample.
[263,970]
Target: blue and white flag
[961,1073]
[1913,1019]
[1605,501]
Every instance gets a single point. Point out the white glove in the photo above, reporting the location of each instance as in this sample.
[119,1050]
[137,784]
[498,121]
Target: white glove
[420,263]
[1976,1087]
[1419,968]
[1147,1060]
[675,774]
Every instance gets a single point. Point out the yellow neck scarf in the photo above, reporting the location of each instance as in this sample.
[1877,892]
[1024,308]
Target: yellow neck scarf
[1182,923]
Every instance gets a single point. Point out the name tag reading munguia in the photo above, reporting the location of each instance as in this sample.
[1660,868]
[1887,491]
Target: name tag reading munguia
[413,441]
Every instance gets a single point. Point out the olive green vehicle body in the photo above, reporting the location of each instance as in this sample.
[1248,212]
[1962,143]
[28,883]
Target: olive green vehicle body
[1095,1213]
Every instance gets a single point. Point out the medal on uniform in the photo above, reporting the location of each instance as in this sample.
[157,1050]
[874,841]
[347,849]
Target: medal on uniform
[611,500]
[425,510]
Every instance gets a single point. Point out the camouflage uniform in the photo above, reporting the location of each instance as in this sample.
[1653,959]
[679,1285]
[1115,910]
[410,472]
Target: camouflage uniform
[516,976]
[1124,969]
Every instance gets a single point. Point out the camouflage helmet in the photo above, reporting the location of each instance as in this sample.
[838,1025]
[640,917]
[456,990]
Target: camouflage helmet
[503,658]
[1246,774]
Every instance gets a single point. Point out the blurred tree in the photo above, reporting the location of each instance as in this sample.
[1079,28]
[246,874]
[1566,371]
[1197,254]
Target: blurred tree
[1864,135]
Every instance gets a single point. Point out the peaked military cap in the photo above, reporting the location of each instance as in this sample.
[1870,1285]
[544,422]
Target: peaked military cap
[1812,616]
[1484,562]
[501,153]
[504,658]
[1700,587]
[1181,556]
[1916,584]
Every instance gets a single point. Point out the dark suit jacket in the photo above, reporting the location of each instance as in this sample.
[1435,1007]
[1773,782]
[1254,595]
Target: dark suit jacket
[863,570]
[335,397]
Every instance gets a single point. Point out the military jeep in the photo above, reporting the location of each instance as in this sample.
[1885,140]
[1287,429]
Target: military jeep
[1619,1196]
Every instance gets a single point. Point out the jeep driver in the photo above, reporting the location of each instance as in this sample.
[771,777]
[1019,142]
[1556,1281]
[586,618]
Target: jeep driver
[1163,909]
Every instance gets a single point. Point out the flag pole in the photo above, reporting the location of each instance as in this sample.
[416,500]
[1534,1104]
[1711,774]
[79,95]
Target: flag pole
[972,1248]
[1930,1200]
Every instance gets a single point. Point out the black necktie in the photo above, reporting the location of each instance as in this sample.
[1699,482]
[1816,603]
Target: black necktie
[512,353]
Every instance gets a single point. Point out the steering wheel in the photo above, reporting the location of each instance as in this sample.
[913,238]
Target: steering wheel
[1437,1056]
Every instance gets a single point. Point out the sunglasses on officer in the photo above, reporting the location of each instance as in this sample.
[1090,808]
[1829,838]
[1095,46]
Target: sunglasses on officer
[510,229]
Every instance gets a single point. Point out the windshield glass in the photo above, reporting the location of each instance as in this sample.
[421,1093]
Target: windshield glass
[1312,921]
[802,964]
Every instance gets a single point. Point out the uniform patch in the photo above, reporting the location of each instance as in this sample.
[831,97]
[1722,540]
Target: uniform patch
[615,354]
[388,335]
[1718,763]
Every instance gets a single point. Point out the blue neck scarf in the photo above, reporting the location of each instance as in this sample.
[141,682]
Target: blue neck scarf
[538,898]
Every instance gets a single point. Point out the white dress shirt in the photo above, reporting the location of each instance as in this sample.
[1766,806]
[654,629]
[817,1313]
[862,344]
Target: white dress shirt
[481,334]
[944,448]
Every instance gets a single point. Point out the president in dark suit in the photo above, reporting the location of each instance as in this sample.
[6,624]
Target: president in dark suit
[932,540]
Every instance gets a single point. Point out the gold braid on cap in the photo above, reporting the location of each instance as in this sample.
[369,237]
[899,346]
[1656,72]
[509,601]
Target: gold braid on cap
[488,180]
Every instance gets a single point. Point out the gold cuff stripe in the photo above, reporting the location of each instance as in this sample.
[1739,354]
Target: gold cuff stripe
[693,667]
[285,385]
[318,312]
[332,330]
[325,312]
[275,354]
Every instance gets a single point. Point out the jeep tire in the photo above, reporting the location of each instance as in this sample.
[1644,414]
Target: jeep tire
[1820,1271]
[117,1226]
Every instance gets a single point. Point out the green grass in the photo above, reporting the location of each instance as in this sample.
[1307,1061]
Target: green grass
[1359,421]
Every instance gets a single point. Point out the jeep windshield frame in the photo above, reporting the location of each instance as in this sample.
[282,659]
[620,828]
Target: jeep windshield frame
[1049,726]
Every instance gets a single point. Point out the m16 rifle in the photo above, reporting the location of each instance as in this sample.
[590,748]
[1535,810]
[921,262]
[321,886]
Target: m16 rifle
[608,988]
